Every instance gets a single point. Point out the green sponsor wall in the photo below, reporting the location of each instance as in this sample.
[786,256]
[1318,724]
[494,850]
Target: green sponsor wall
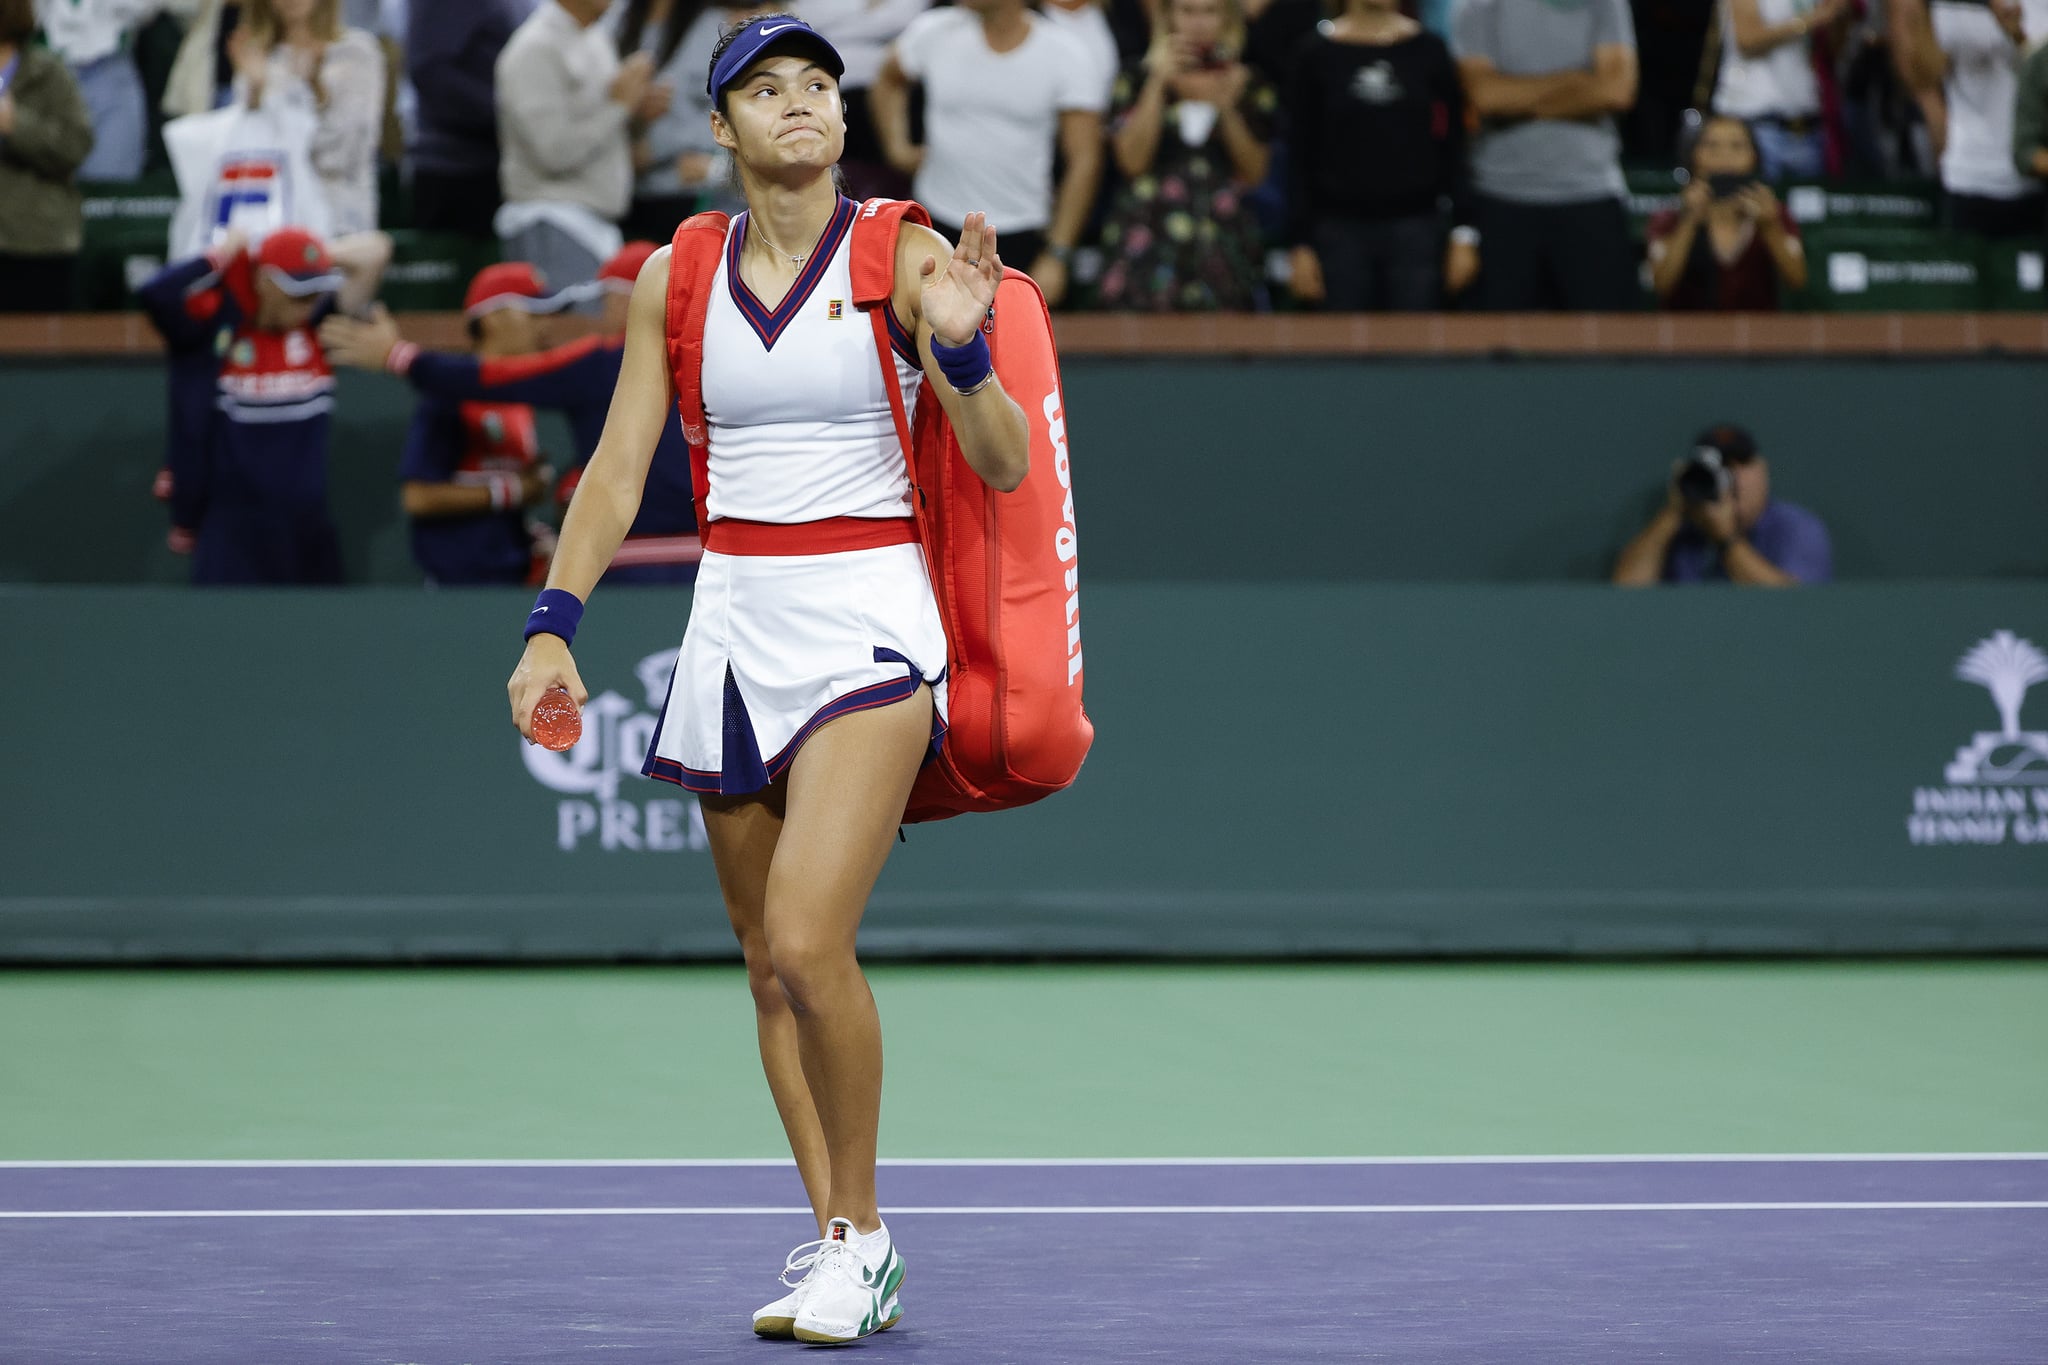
[1474,471]
[1280,769]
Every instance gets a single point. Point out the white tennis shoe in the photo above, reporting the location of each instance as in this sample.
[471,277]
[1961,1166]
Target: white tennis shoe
[778,1319]
[844,1298]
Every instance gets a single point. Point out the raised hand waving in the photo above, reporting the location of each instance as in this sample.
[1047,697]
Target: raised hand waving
[957,298]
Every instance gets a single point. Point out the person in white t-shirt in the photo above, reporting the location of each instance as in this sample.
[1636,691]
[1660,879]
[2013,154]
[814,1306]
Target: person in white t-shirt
[1767,80]
[862,30]
[1087,25]
[1962,59]
[1000,84]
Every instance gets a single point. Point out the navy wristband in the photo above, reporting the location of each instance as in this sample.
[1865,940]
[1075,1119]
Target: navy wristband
[555,612]
[964,366]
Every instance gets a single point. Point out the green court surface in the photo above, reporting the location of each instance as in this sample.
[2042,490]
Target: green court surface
[1045,1061]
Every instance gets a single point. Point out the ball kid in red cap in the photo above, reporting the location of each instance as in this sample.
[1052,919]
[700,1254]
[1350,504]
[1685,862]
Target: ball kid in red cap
[502,303]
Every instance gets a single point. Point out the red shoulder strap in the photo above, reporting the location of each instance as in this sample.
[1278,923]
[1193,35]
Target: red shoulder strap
[873,267]
[692,265]
[874,247]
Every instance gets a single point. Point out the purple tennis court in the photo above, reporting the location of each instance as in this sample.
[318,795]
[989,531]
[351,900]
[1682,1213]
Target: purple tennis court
[1925,1259]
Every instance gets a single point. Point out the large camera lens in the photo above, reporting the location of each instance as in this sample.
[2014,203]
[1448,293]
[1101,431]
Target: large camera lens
[1702,478]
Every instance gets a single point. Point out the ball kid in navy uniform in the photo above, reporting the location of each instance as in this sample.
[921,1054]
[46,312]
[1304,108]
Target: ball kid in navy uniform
[471,468]
[577,378]
[253,394]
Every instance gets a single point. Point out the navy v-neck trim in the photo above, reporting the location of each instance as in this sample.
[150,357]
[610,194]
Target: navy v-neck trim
[770,323]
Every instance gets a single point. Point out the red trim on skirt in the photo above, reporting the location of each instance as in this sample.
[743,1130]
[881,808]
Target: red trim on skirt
[833,535]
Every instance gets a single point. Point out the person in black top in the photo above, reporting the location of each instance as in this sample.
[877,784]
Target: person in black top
[1376,121]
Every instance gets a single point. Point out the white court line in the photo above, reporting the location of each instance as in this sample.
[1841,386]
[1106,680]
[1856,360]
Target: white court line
[1058,1210]
[595,1163]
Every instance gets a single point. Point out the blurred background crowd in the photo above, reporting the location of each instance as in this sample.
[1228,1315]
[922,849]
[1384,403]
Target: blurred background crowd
[254,174]
[1136,154]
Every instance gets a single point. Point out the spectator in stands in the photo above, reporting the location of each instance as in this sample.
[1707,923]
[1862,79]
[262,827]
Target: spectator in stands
[1547,80]
[44,138]
[1963,60]
[679,166]
[248,486]
[1729,246]
[451,54]
[577,378]
[2030,115]
[1085,22]
[1376,151]
[568,110]
[377,17]
[93,37]
[861,30]
[202,77]
[296,54]
[471,469]
[1671,43]
[1275,31]
[386,22]
[1882,137]
[45,135]
[1191,128]
[658,28]
[1719,522]
[1768,80]
[1000,84]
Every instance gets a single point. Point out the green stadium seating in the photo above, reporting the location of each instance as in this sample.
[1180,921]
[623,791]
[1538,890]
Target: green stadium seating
[1884,204]
[127,228]
[1893,270]
[430,270]
[2012,277]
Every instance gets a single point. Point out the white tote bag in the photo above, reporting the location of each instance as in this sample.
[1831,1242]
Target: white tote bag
[242,168]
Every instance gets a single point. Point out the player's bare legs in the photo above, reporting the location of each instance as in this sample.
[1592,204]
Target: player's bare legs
[845,799]
[743,832]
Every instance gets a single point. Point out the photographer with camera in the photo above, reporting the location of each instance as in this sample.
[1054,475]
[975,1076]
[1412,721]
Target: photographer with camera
[1730,246]
[1720,523]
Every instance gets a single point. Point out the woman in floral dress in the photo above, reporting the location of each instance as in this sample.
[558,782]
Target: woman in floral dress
[1191,129]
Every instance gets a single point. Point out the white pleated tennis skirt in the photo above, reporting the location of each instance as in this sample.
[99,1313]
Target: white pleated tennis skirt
[779,644]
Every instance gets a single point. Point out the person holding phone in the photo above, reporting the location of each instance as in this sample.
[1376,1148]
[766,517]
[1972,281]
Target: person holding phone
[1191,131]
[1729,246]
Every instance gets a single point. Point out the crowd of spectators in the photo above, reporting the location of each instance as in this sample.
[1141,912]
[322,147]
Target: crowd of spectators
[1160,154]
[1135,154]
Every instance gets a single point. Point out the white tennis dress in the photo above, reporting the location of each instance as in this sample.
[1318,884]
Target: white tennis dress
[800,430]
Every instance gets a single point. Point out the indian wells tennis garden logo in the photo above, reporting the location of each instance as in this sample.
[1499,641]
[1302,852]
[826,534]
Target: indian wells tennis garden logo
[593,812]
[1997,788]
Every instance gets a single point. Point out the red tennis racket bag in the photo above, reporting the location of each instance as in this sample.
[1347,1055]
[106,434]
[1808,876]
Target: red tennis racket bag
[1004,566]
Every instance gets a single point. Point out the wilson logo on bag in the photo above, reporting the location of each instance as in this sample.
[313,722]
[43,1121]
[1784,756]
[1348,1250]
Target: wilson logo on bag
[1004,566]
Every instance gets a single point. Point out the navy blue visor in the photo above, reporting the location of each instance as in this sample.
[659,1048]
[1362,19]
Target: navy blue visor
[761,34]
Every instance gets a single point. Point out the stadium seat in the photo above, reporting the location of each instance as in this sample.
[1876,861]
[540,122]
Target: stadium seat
[429,270]
[1893,270]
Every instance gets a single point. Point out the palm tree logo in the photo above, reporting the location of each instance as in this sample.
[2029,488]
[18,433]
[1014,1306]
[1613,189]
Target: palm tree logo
[2007,666]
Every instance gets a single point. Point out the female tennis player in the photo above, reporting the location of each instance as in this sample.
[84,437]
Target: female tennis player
[810,686]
